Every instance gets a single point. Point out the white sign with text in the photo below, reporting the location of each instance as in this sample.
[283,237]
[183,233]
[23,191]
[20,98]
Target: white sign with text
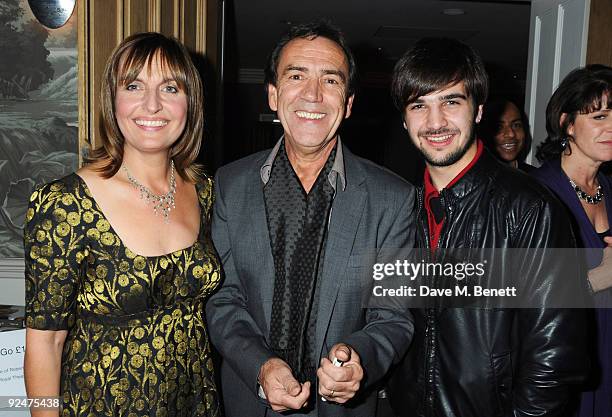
[12,350]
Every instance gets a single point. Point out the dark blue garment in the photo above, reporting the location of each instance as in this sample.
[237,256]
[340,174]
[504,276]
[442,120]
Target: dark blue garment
[596,401]
[525,167]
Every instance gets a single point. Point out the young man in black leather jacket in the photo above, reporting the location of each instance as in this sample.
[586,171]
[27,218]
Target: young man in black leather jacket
[486,361]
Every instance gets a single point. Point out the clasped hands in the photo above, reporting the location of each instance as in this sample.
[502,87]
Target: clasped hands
[336,383]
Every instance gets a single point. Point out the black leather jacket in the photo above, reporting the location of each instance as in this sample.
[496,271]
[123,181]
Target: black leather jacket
[495,362]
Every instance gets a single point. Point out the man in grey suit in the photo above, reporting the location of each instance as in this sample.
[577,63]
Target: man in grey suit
[294,227]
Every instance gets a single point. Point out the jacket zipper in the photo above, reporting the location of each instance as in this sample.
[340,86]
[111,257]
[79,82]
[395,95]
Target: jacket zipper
[430,330]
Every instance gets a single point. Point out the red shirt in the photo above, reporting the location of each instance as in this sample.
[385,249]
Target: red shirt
[435,228]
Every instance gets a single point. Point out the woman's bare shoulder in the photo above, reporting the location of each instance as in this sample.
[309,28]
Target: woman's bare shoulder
[88,172]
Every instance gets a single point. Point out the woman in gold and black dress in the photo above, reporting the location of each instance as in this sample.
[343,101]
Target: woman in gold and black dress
[119,260]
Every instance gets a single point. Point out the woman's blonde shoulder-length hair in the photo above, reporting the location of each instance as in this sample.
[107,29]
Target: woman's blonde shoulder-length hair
[126,62]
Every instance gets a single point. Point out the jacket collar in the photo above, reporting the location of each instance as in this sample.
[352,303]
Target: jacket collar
[484,171]
[337,171]
[481,172]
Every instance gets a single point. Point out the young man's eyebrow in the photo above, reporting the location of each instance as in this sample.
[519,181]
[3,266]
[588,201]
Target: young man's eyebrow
[453,96]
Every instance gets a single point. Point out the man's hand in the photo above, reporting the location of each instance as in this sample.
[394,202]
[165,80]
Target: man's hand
[282,390]
[340,383]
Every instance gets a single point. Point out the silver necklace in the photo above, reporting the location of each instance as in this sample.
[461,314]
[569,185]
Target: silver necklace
[161,203]
[590,199]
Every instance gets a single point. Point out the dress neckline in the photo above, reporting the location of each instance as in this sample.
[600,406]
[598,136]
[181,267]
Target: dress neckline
[589,235]
[112,229]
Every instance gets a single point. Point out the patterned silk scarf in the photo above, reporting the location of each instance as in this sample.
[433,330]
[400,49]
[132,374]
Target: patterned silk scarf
[297,223]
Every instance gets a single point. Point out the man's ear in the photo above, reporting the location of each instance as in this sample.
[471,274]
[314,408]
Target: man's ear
[479,114]
[349,106]
[272,97]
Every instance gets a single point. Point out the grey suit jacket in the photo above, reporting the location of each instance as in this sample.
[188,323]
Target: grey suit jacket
[373,212]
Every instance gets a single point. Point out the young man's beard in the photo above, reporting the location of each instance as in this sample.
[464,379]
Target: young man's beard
[454,156]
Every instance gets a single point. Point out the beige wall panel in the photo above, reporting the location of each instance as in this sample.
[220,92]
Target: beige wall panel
[83,82]
[136,18]
[213,12]
[154,15]
[169,17]
[104,35]
[190,19]
[599,46]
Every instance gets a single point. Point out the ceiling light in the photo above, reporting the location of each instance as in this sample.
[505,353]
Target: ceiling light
[453,12]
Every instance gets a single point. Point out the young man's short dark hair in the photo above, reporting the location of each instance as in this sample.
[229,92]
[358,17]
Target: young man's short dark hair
[432,65]
[310,31]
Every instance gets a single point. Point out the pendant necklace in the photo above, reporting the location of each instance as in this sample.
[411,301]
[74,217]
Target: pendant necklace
[161,203]
[590,199]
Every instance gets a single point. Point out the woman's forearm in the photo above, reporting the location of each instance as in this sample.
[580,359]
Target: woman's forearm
[42,366]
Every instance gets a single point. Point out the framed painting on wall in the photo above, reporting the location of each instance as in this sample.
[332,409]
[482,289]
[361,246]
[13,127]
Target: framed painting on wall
[38,117]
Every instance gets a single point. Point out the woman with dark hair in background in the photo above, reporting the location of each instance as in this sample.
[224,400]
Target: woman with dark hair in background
[579,126]
[119,259]
[504,129]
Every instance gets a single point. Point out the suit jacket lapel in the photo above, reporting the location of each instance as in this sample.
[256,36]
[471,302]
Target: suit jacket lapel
[261,244]
[347,210]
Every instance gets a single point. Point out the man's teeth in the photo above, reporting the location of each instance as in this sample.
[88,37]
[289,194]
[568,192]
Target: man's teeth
[308,115]
[439,138]
[509,146]
[151,123]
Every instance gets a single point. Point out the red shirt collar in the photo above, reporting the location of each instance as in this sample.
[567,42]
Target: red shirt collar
[435,228]
[430,190]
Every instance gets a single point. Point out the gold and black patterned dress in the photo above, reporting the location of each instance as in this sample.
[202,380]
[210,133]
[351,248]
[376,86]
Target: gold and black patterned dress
[137,342]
